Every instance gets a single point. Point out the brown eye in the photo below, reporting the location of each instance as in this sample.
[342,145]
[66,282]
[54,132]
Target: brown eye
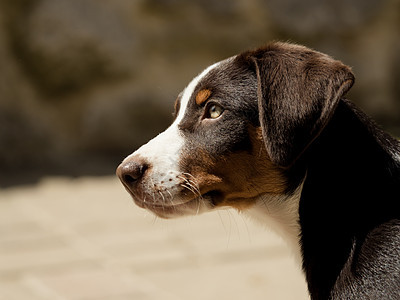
[215,111]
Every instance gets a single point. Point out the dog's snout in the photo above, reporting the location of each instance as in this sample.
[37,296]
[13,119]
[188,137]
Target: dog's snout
[130,172]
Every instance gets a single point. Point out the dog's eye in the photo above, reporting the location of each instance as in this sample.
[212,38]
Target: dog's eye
[215,111]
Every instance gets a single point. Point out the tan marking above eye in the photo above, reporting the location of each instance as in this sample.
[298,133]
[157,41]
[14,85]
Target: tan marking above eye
[202,96]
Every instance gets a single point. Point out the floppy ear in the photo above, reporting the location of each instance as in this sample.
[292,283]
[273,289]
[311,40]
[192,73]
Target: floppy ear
[298,91]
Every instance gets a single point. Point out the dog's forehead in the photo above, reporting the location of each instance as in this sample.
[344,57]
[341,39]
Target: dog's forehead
[190,92]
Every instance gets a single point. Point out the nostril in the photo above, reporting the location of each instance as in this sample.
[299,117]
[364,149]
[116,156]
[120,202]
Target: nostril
[131,172]
[129,179]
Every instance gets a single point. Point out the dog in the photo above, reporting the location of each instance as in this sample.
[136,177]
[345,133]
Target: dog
[269,133]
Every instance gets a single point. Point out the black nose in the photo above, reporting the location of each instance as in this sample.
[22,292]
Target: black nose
[131,171]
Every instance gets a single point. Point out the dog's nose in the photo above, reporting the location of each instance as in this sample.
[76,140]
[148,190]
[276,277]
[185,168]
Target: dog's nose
[131,171]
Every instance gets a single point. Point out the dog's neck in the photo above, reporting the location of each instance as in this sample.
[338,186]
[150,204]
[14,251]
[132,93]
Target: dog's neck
[281,214]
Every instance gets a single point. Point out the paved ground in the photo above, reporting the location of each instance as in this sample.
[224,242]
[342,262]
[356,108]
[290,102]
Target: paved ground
[84,239]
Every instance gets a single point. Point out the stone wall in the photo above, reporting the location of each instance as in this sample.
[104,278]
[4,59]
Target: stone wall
[85,82]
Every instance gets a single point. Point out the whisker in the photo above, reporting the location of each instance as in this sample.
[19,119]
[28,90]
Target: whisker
[191,188]
[194,179]
[192,182]
[172,197]
[198,206]
[228,232]
[234,221]
[162,196]
[195,186]
[247,227]
[188,174]
[222,221]
[192,185]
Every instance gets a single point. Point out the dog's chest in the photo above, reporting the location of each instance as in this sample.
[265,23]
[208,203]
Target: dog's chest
[281,214]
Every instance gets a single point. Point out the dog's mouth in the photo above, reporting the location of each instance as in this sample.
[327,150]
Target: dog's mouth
[193,206]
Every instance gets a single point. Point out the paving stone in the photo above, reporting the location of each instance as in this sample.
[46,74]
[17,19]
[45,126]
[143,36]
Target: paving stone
[84,239]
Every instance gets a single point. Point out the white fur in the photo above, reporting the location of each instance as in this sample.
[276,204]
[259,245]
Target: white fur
[188,92]
[281,214]
[164,150]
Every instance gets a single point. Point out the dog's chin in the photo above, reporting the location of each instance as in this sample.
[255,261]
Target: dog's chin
[194,206]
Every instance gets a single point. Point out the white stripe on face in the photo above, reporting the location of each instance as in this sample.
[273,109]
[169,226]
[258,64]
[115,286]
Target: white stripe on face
[188,92]
[163,151]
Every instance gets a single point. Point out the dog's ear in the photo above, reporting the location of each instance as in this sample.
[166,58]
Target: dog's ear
[298,91]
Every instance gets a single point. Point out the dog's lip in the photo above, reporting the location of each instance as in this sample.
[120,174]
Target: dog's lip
[150,204]
[158,206]
[166,211]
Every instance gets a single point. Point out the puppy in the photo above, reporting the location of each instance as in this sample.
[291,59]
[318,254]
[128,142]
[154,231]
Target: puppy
[268,132]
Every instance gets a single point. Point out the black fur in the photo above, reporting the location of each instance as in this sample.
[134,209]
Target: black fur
[349,210]
[234,89]
[350,204]
[350,195]
[298,90]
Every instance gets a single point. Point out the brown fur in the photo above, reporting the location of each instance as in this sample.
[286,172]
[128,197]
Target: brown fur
[202,96]
[239,178]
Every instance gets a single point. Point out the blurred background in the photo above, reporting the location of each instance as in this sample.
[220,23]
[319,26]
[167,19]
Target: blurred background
[83,83]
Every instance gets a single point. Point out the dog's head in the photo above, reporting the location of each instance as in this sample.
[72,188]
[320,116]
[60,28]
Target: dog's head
[239,127]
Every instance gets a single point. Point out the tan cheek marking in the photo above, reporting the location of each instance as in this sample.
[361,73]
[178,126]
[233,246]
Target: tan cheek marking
[202,96]
[241,177]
